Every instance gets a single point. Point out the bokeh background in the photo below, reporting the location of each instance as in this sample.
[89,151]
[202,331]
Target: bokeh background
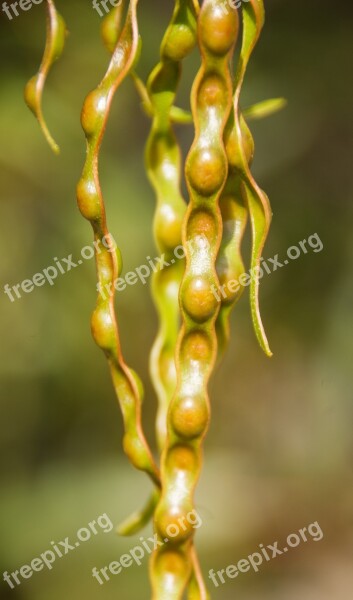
[279,452]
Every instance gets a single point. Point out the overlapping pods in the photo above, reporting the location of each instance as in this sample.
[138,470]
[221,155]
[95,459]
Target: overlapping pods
[188,416]
[223,193]
[163,161]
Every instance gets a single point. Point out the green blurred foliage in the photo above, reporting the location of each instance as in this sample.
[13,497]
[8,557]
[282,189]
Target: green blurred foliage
[279,453]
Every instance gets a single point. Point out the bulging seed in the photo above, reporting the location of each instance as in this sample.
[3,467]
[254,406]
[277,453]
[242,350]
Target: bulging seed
[180,41]
[167,227]
[197,298]
[103,327]
[93,111]
[212,92]
[218,30]
[202,223]
[206,170]
[197,345]
[88,199]
[189,417]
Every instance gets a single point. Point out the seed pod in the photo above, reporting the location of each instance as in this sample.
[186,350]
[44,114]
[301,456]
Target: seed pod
[91,204]
[56,33]
[206,174]
[163,163]
[238,133]
[230,266]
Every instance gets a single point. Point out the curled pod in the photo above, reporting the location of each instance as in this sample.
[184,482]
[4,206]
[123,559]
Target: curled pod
[259,209]
[55,41]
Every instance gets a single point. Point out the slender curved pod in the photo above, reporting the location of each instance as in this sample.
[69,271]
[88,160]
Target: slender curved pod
[239,145]
[55,40]
[91,204]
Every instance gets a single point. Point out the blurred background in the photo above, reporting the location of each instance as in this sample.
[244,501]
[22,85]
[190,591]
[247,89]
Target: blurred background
[278,455]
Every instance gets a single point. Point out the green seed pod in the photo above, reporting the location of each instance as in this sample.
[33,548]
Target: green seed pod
[230,264]
[206,174]
[56,34]
[91,204]
[163,162]
[239,134]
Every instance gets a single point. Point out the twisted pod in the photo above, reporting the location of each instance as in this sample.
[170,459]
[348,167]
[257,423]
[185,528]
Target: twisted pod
[230,265]
[240,146]
[163,163]
[56,34]
[94,117]
[188,415]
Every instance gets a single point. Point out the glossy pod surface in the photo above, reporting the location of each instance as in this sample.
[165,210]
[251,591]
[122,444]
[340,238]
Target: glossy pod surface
[206,174]
[94,117]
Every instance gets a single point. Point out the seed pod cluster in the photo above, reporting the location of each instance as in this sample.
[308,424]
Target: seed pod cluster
[56,34]
[200,291]
[188,415]
[91,204]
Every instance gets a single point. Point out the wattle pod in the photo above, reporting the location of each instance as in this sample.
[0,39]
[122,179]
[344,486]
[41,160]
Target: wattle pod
[230,265]
[189,412]
[94,117]
[253,16]
[55,40]
[163,163]
[234,210]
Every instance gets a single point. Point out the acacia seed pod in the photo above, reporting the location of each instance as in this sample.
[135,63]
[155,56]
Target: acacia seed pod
[91,204]
[206,173]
